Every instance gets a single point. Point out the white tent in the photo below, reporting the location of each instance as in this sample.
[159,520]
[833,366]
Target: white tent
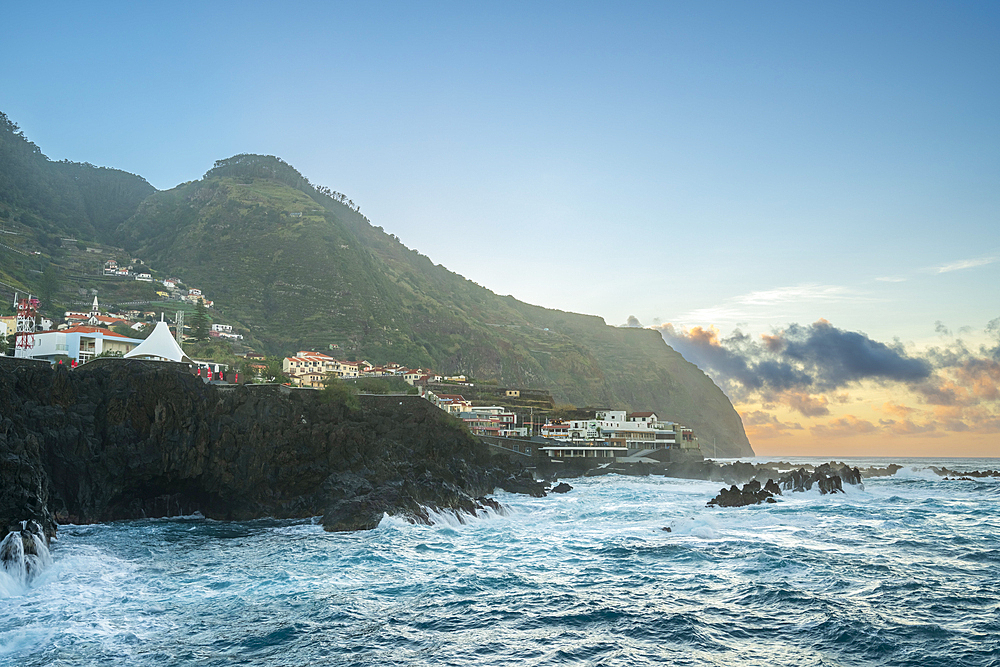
[159,346]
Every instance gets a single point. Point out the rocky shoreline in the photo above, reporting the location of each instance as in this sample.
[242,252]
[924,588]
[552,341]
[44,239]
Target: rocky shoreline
[125,439]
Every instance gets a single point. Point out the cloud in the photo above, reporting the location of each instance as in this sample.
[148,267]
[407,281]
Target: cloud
[760,305]
[812,370]
[812,359]
[760,424]
[898,411]
[907,427]
[891,279]
[844,427]
[965,264]
[633,322]
[808,406]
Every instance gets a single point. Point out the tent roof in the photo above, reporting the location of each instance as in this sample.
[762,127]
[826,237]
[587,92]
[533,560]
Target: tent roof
[160,346]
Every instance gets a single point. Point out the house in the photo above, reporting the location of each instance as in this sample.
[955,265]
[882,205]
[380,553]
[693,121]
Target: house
[170,282]
[228,328]
[413,375]
[636,430]
[80,343]
[145,277]
[305,363]
[450,403]
[493,420]
[512,393]
[106,321]
[557,430]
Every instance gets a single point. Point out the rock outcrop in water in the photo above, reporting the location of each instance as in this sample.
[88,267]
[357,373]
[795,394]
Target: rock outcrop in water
[126,439]
[828,478]
[752,493]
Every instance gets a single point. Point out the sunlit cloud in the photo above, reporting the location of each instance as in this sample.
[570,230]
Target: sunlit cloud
[847,426]
[761,305]
[819,370]
[760,424]
[964,264]
[813,359]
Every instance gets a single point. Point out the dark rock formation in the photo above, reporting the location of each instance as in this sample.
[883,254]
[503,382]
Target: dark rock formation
[967,474]
[828,477]
[23,551]
[562,487]
[750,494]
[125,439]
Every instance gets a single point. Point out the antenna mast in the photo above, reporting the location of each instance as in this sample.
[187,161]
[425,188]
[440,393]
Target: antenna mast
[24,337]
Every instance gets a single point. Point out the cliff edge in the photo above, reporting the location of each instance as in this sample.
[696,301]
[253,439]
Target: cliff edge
[125,439]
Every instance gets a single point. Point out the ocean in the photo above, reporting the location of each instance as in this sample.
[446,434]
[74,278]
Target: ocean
[903,572]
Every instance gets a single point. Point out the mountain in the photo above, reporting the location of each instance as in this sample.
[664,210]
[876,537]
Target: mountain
[62,198]
[299,267]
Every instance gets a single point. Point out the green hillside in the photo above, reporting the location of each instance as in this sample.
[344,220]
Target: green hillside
[43,202]
[295,267]
[301,269]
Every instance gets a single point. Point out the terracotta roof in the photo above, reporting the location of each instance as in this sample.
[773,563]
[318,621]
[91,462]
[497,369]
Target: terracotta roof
[86,329]
[641,414]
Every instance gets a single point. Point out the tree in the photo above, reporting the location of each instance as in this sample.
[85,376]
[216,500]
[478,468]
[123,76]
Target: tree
[199,322]
[126,331]
[336,390]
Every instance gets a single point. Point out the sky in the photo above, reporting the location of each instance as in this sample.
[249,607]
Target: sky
[804,198]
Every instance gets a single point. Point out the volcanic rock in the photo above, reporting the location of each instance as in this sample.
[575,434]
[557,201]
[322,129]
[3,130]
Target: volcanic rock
[126,439]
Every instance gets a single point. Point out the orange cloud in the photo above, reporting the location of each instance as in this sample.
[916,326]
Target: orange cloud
[761,425]
[804,403]
[908,427]
[843,427]
[704,336]
[981,378]
[896,410]
[772,343]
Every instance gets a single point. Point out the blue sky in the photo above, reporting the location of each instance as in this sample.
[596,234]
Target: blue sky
[750,165]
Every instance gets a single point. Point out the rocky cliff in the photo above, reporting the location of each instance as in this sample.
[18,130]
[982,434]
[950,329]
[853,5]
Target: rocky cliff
[125,439]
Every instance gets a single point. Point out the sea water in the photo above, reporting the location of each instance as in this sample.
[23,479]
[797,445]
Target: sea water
[903,572]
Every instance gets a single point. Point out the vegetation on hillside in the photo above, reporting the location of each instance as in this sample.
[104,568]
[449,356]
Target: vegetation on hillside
[297,266]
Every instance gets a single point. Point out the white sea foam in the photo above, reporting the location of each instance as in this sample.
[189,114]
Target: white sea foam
[917,472]
[587,577]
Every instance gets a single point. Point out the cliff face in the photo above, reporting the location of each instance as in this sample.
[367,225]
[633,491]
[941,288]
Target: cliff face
[125,439]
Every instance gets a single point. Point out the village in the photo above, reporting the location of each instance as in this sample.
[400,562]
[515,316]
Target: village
[495,414]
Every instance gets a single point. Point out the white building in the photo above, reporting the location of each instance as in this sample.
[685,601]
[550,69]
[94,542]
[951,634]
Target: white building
[636,430]
[80,344]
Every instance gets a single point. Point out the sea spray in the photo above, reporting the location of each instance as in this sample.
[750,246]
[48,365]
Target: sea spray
[23,556]
[900,573]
